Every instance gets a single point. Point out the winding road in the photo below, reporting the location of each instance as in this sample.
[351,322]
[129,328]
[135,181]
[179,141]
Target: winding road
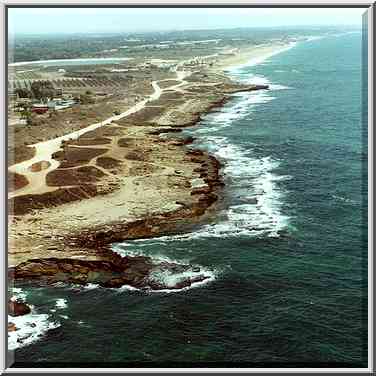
[44,150]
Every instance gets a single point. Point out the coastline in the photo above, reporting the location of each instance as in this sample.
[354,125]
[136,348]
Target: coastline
[52,250]
[89,236]
[253,55]
[278,244]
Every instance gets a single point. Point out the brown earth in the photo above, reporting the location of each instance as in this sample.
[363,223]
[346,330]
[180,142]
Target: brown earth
[39,166]
[78,176]
[76,156]
[108,162]
[139,184]
[82,141]
[16,181]
[167,83]
[19,153]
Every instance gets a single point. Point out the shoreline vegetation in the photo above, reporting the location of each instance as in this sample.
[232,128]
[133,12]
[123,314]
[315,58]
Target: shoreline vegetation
[131,176]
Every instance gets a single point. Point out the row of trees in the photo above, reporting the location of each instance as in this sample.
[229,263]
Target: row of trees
[40,90]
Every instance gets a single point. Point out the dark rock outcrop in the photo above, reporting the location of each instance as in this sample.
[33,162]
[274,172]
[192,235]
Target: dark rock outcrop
[247,88]
[16,308]
[12,327]
[136,271]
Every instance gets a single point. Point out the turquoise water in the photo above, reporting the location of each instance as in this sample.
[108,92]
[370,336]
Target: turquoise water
[288,254]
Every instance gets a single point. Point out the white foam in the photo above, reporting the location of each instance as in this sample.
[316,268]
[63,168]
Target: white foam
[251,78]
[75,287]
[30,328]
[246,104]
[170,278]
[61,303]
[263,58]
[258,214]
[244,107]
[192,286]
[90,286]
[18,294]
[126,288]
[314,37]
[343,199]
[167,277]
[279,87]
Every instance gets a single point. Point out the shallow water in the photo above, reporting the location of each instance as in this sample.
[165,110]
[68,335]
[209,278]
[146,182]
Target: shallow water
[287,257]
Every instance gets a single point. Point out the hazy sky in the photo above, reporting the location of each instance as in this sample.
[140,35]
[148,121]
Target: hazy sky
[46,20]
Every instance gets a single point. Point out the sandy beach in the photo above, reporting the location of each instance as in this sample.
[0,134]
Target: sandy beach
[252,55]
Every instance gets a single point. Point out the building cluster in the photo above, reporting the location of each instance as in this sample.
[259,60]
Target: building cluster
[157,63]
[54,104]
[38,107]
[200,61]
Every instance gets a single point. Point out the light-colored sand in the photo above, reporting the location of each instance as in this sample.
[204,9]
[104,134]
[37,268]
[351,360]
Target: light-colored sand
[139,195]
[44,150]
[252,56]
[155,176]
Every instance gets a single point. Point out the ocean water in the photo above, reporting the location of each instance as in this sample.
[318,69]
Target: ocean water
[287,254]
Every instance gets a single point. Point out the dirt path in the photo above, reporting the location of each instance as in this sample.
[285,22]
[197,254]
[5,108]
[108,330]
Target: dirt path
[45,150]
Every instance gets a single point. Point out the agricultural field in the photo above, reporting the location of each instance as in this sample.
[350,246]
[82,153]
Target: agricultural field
[27,75]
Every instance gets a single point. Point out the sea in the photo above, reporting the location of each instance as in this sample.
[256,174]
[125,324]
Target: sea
[287,253]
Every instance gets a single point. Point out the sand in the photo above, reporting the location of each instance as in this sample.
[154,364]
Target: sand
[46,149]
[252,55]
[149,189]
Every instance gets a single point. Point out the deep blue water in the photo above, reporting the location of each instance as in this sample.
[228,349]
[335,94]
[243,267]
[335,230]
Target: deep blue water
[288,254]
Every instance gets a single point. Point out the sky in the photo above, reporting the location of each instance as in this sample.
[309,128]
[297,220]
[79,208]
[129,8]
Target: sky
[101,20]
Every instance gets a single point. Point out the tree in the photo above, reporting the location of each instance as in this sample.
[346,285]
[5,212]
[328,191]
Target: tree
[42,90]
[86,99]
[23,93]
[26,115]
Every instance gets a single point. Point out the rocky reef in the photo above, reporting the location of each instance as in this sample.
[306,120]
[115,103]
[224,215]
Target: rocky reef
[16,308]
[138,271]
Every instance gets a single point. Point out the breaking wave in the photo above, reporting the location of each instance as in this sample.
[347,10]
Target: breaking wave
[163,276]
[255,197]
[29,328]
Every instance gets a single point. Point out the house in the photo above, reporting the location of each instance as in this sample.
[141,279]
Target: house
[39,108]
[60,104]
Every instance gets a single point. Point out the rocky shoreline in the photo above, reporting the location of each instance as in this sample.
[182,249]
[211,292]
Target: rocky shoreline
[112,270]
[80,253]
[137,271]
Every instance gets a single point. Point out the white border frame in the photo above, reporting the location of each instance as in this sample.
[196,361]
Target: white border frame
[3,110]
